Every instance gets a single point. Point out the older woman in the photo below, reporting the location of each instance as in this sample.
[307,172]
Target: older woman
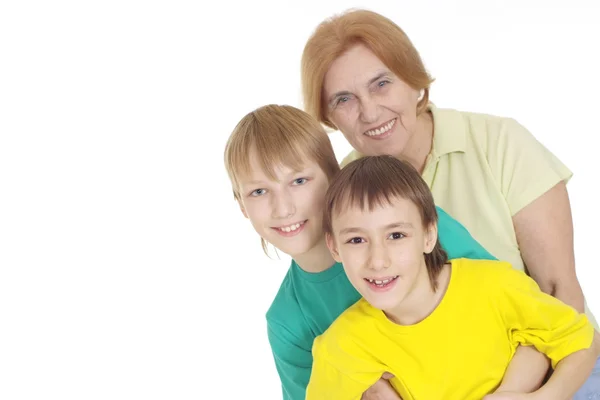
[362,76]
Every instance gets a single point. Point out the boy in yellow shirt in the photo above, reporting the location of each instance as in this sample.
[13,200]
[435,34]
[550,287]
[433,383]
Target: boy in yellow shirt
[445,330]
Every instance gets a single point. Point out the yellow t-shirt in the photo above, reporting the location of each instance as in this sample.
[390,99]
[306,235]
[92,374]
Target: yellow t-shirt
[482,170]
[460,351]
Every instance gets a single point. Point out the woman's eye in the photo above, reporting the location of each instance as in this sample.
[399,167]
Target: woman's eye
[342,100]
[383,83]
[300,181]
[396,235]
[257,192]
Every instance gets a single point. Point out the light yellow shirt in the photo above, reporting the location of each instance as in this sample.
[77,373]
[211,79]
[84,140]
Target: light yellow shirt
[460,351]
[482,170]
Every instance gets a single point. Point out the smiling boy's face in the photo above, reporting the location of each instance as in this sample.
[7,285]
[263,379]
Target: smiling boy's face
[286,210]
[383,250]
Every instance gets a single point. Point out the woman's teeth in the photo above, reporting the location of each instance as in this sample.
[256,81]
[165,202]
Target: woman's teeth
[382,130]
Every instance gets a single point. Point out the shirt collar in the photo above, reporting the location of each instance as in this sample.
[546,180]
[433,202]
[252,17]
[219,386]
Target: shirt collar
[449,131]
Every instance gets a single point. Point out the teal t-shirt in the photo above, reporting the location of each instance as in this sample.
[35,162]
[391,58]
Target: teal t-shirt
[307,303]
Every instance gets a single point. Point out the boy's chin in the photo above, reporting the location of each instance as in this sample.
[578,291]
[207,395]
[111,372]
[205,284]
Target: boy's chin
[295,250]
[380,303]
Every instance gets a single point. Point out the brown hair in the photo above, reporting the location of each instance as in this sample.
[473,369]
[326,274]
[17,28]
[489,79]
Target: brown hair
[280,135]
[377,180]
[336,35]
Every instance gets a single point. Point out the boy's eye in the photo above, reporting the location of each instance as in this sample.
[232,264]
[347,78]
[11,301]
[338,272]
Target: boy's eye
[355,240]
[300,181]
[257,192]
[397,235]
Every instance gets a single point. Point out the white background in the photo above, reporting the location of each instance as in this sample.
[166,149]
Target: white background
[126,269]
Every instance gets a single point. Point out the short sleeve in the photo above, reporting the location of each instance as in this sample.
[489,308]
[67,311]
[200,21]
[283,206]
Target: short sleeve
[523,167]
[537,319]
[292,360]
[330,381]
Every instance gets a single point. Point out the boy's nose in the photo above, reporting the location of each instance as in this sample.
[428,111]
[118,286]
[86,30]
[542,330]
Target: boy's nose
[284,207]
[379,258]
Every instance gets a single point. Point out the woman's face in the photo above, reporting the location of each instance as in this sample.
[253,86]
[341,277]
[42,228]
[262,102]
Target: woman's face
[374,109]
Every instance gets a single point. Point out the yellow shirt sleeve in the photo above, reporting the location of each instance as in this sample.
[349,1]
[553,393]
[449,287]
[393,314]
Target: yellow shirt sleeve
[534,318]
[336,373]
[523,167]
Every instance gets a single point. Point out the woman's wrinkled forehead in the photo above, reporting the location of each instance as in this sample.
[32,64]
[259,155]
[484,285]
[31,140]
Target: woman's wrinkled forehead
[358,66]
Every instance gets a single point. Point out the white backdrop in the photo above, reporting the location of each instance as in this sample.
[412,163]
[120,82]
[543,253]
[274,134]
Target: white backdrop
[126,269]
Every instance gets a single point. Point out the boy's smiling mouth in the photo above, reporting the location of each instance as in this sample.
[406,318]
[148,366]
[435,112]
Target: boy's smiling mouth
[292,229]
[381,283]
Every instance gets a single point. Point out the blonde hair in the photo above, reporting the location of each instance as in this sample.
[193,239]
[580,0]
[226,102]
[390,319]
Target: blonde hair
[375,181]
[281,135]
[336,35]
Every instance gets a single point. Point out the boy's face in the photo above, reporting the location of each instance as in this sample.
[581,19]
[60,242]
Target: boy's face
[288,211]
[383,251]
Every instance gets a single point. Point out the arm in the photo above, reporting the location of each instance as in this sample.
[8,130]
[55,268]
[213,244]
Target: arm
[528,366]
[570,373]
[294,364]
[544,231]
[533,182]
[292,360]
[526,371]
[337,372]
[566,379]
[534,318]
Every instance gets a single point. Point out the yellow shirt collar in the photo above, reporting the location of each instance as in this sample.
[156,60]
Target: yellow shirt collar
[449,131]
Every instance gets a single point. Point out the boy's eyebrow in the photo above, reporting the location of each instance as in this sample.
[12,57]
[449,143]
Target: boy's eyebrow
[349,230]
[399,225]
[377,77]
[251,183]
[305,170]
[405,225]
